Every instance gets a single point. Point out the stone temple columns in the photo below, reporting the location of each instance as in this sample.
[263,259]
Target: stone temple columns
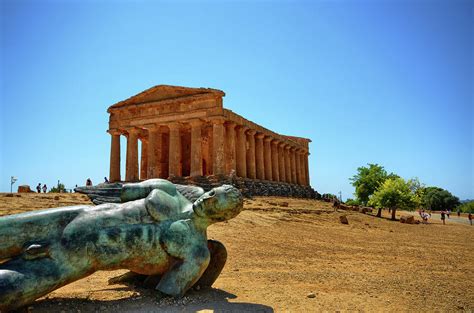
[275,161]
[175,150]
[287,164]
[144,159]
[251,170]
[293,165]
[154,151]
[114,175]
[267,155]
[281,161]
[218,146]
[220,150]
[230,151]
[131,171]
[196,148]
[241,151]
[298,167]
[259,156]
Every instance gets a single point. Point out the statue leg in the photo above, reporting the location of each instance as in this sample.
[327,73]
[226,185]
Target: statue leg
[214,269]
[218,258]
[23,281]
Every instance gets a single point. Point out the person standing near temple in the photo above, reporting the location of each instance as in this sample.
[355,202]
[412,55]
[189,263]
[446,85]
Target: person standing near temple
[45,188]
[443,216]
[38,188]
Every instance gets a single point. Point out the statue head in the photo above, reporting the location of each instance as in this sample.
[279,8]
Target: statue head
[219,204]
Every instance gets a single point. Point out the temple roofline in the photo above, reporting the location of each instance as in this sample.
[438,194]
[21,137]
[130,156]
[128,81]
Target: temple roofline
[160,93]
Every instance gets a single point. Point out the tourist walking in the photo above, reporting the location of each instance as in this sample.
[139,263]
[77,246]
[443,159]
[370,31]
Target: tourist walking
[443,216]
[38,188]
[470,218]
[459,212]
[88,182]
[45,188]
[106,180]
[448,213]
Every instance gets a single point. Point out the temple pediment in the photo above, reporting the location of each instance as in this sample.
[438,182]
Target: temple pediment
[164,93]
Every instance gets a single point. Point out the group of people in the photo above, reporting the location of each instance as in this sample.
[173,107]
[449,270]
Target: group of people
[39,188]
[445,213]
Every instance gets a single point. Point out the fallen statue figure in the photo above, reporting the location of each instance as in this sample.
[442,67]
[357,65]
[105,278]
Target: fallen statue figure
[156,233]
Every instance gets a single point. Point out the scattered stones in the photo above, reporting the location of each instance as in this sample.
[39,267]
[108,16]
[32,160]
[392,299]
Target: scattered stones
[56,197]
[311,295]
[407,219]
[10,195]
[343,219]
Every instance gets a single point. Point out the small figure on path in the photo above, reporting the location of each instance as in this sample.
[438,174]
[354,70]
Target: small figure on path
[443,216]
[470,218]
[38,188]
[424,216]
[88,182]
[45,188]
[106,180]
[448,213]
[458,212]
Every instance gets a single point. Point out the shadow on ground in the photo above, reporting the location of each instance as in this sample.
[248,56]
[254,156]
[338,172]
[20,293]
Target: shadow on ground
[215,300]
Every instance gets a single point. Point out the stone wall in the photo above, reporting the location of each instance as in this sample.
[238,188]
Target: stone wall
[250,187]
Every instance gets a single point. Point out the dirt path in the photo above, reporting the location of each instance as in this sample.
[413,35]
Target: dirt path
[279,254]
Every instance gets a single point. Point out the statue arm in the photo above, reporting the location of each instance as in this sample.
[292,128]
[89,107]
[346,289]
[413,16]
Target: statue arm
[192,256]
[185,273]
[135,191]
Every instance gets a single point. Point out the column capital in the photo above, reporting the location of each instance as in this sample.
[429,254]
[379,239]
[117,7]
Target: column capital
[115,131]
[287,146]
[276,142]
[217,120]
[242,128]
[132,130]
[293,149]
[267,138]
[174,125]
[260,135]
[251,132]
[195,122]
[230,124]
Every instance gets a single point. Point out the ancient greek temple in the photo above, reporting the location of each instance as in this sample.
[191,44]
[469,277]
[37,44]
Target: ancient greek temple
[187,132]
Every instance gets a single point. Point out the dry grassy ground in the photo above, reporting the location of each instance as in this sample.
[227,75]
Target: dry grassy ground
[278,255]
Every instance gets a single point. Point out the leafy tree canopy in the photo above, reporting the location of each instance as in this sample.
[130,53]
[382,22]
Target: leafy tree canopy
[368,179]
[59,188]
[395,193]
[438,199]
[467,207]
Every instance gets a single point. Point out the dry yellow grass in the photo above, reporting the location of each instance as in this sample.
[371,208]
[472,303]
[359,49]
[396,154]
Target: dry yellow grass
[279,254]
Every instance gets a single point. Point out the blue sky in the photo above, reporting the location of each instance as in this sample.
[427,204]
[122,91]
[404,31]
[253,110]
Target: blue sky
[388,82]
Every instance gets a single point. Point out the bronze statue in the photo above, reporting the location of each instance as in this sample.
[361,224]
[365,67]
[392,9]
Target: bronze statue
[156,233]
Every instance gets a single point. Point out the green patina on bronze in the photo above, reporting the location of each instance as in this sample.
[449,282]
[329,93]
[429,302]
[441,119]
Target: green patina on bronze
[157,233]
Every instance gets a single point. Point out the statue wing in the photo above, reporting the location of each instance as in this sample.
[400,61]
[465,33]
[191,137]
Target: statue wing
[119,192]
[190,192]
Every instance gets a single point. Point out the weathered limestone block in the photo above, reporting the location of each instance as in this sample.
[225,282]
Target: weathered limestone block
[24,189]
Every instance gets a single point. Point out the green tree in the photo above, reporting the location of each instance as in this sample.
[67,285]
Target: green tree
[438,199]
[350,201]
[59,188]
[368,179]
[395,193]
[467,207]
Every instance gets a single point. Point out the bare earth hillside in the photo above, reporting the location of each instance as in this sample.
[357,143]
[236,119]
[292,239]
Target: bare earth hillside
[280,254]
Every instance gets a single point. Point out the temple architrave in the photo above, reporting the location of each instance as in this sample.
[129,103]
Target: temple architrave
[187,132]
